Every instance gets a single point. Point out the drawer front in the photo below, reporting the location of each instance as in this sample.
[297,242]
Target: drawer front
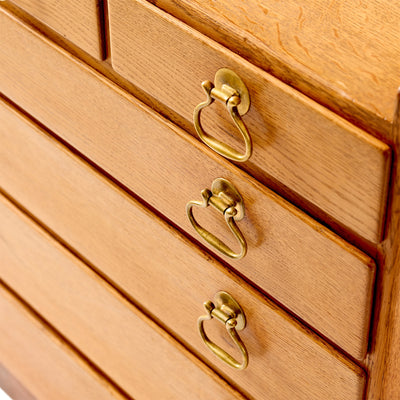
[41,361]
[314,46]
[303,265]
[334,166]
[130,348]
[75,20]
[159,268]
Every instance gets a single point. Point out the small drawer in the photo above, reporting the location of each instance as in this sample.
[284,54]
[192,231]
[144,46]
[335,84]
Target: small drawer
[148,260]
[127,346]
[75,20]
[43,363]
[304,150]
[314,46]
[321,278]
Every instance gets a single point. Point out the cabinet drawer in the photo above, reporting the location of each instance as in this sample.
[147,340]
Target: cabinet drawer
[41,361]
[314,46]
[314,273]
[330,163]
[129,347]
[170,277]
[75,20]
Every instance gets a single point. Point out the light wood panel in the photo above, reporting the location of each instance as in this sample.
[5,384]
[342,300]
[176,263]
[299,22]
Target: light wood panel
[41,361]
[75,20]
[113,334]
[330,163]
[384,360]
[10,385]
[317,275]
[169,277]
[343,53]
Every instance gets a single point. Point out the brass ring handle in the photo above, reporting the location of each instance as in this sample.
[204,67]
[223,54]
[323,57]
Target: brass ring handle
[225,309]
[230,89]
[225,198]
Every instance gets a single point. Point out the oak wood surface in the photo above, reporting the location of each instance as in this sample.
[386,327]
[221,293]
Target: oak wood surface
[322,158]
[114,335]
[170,277]
[10,385]
[167,168]
[384,360]
[76,20]
[43,362]
[343,53]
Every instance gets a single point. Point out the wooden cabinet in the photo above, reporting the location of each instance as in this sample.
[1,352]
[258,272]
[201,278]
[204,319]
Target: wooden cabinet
[97,320]
[98,160]
[157,267]
[322,158]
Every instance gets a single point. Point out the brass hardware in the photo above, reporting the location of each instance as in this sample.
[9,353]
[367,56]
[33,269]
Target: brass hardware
[229,88]
[226,310]
[226,199]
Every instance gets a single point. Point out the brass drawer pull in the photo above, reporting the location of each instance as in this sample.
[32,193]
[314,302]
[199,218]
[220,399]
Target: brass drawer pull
[230,89]
[226,199]
[226,310]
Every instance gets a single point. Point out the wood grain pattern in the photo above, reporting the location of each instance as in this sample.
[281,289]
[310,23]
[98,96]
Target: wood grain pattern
[327,161]
[44,363]
[343,53]
[167,168]
[76,20]
[169,277]
[384,360]
[113,334]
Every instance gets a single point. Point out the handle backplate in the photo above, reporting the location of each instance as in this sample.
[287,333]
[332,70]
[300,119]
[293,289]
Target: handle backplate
[223,300]
[222,188]
[224,78]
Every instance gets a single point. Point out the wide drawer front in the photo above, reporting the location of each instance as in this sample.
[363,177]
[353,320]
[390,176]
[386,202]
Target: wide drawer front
[333,165]
[162,270]
[114,335]
[75,20]
[303,265]
[41,361]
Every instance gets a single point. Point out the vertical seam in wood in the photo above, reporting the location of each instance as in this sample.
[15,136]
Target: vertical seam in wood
[104,30]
